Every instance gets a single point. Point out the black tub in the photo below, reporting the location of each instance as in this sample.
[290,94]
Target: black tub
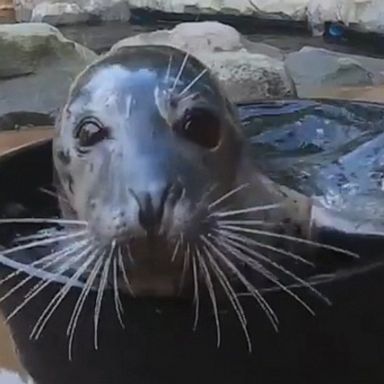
[342,344]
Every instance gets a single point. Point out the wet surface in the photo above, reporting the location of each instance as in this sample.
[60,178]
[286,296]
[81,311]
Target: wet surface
[332,149]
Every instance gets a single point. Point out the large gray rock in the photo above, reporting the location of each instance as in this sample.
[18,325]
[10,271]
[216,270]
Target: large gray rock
[247,70]
[37,67]
[59,12]
[314,68]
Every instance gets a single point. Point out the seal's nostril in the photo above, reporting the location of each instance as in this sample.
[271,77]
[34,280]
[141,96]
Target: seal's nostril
[148,216]
[151,208]
[151,205]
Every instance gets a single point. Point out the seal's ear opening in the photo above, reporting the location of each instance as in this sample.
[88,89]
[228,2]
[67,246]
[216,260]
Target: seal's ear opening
[201,126]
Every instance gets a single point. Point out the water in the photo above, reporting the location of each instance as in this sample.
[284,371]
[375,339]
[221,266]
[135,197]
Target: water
[332,149]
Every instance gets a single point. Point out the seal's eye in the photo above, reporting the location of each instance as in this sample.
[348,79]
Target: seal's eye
[200,125]
[89,132]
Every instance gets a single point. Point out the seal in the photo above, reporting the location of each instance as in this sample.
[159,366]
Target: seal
[158,193]
[147,144]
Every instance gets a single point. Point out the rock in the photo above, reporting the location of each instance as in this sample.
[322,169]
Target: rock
[287,9]
[368,14]
[244,67]
[37,67]
[56,12]
[311,68]
[59,13]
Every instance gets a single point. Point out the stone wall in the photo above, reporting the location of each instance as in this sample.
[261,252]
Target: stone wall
[368,13]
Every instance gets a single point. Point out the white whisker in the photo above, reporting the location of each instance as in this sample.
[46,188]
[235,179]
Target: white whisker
[176,250]
[211,291]
[196,291]
[57,256]
[168,69]
[193,82]
[60,296]
[80,303]
[259,244]
[180,71]
[43,221]
[231,294]
[237,240]
[267,274]
[227,195]
[247,222]
[41,235]
[100,293]
[245,210]
[118,304]
[41,243]
[128,248]
[45,259]
[53,194]
[120,260]
[186,260]
[291,238]
[255,293]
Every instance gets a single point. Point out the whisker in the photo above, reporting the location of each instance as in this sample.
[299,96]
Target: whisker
[80,303]
[42,242]
[231,294]
[128,248]
[100,293]
[281,251]
[175,250]
[245,210]
[259,268]
[76,247]
[40,235]
[124,272]
[168,69]
[60,296]
[57,256]
[193,82]
[211,291]
[61,270]
[186,260]
[53,194]
[247,222]
[196,291]
[255,293]
[237,240]
[118,304]
[291,238]
[43,221]
[43,260]
[328,278]
[180,71]
[228,195]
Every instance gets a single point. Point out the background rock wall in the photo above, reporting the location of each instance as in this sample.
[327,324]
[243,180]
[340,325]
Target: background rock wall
[368,13]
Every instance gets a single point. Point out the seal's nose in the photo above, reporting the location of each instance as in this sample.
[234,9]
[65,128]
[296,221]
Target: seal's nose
[151,205]
[150,211]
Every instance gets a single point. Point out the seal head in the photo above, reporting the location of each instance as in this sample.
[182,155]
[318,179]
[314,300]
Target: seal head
[146,142]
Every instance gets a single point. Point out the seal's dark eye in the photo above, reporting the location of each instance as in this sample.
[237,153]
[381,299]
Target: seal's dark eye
[200,125]
[90,132]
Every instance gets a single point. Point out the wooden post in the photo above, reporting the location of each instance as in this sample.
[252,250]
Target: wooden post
[7,12]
